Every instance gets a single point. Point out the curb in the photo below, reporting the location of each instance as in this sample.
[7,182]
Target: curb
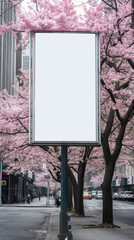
[49,231]
[53,228]
[28,206]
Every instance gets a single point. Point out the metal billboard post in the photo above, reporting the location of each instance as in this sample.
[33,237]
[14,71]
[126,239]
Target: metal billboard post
[63,214]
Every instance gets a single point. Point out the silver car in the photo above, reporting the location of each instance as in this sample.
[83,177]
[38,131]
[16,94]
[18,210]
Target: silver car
[115,196]
[121,195]
[99,195]
[128,195]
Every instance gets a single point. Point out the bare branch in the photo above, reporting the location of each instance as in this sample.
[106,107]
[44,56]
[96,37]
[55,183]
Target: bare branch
[22,125]
[109,123]
[109,5]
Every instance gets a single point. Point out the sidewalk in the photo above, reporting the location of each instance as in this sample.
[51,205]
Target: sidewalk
[44,202]
[82,229]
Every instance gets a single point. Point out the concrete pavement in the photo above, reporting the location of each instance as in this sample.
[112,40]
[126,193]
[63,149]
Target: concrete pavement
[82,229]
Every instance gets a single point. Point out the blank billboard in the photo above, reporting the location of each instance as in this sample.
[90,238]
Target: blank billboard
[65,89]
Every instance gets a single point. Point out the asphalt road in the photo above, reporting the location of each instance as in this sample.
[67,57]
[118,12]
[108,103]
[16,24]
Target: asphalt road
[123,211]
[18,223]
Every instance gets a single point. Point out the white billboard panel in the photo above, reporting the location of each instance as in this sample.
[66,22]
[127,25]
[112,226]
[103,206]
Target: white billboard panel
[65,89]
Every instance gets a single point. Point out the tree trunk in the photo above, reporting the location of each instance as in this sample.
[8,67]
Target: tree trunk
[70,203]
[107,204]
[78,188]
[81,173]
[107,195]
[75,188]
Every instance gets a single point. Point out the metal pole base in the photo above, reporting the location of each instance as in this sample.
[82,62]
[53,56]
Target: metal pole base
[65,228]
[63,223]
[62,236]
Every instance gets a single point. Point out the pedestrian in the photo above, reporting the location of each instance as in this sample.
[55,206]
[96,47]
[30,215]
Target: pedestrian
[24,199]
[28,198]
[57,199]
[31,197]
[39,196]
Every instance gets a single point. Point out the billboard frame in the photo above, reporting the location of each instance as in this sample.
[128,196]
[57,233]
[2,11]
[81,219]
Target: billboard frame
[32,94]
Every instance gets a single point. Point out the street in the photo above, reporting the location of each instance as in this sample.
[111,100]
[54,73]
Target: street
[123,211]
[17,223]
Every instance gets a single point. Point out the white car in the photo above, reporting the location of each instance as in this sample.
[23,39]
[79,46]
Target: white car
[128,195]
[99,195]
[115,196]
[121,195]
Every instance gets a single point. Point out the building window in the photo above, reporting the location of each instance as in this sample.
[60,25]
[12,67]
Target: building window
[25,62]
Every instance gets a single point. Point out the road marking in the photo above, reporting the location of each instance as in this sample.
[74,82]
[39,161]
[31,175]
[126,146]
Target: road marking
[123,203]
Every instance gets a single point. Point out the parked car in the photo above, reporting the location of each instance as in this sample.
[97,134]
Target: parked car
[87,195]
[93,193]
[128,195]
[121,195]
[99,195]
[115,196]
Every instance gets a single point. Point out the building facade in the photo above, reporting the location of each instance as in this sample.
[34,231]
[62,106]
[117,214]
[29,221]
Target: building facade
[14,188]
[124,178]
[10,59]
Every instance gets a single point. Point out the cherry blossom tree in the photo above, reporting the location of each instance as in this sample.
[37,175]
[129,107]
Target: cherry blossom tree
[117,66]
[114,20]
